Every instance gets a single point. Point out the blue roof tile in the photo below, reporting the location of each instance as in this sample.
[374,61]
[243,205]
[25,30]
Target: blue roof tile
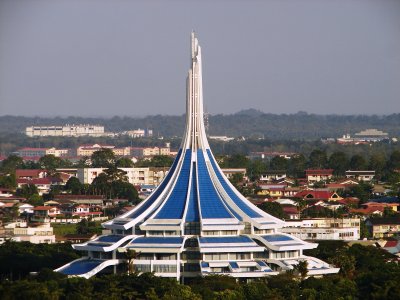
[149,201]
[175,203]
[211,204]
[277,238]
[81,267]
[239,202]
[192,214]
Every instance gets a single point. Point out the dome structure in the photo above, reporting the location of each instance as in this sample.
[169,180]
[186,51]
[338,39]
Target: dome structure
[195,222]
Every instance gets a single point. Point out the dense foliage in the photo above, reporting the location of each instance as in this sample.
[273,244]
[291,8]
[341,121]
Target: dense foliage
[366,273]
[18,259]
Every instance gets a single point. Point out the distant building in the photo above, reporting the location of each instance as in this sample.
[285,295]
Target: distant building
[35,153]
[324,229]
[383,227]
[66,130]
[273,175]
[136,176]
[150,151]
[30,173]
[315,175]
[361,175]
[270,155]
[139,133]
[229,172]
[222,138]
[318,195]
[88,150]
[39,234]
[364,137]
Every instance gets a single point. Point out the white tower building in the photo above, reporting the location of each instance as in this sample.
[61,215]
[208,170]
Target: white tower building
[196,222]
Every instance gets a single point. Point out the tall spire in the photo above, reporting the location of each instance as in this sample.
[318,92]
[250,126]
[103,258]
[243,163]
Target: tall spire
[195,135]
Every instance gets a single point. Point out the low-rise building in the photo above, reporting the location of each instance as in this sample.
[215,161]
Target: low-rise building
[34,153]
[43,214]
[88,150]
[229,172]
[316,175]
[43,185]
[318,195]
[366,176]
[38,234]
[136,176]
[273,175]
[150,151]
[347,229]
[383,227]
[30,174]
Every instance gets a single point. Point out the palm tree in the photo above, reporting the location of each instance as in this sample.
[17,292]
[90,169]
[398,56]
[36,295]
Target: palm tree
[302,269]
[131,255]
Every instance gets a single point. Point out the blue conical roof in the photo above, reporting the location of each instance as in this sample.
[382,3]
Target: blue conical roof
[195,189]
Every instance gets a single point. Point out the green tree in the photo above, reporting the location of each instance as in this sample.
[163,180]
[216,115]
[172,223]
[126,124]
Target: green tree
[377,162]
[302,269]
[11,163]
[362,191]
[279,163]
[131,255]
[103,158]
[255,168]
[161,161]
[8,181]
[74,186]
[345,262]
[317,159]
[27,190]
[35,200]
[297,165]
[124,162]
[274,209]
[235,161]
[358,162]
[125,190]
[394,160]
[339,162]
[115,174]
[50,163]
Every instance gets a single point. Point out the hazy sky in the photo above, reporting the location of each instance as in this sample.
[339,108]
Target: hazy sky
[130,58]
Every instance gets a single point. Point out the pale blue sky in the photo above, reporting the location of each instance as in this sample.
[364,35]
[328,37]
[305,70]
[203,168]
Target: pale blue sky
[130,58]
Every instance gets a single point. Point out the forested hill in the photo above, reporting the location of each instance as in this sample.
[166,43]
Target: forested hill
[245,123]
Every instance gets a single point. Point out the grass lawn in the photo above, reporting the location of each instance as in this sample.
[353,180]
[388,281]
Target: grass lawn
[63,229]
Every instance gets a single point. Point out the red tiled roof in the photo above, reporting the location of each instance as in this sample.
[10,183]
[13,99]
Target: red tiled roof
[7,205]
[290,209]
[314,194]
[391,244]
[43,208]
[319,171]
[367,211]
[23,172]
[349,200]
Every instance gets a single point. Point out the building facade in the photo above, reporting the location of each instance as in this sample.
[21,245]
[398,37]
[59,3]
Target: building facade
[324,229]
[66,130]
[136,176]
